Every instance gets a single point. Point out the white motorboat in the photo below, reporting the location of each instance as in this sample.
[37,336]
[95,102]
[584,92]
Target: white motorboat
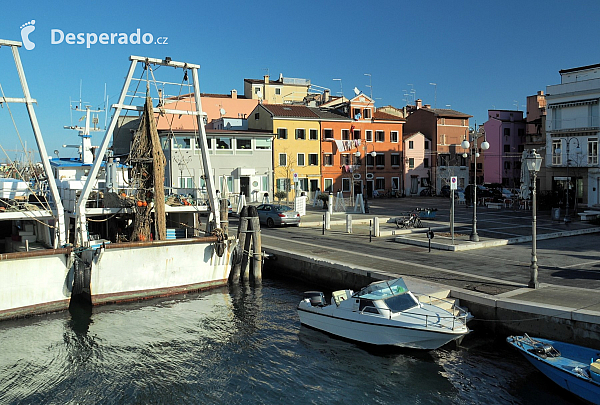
[384,313]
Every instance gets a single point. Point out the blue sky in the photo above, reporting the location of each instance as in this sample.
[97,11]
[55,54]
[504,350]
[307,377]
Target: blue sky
[481,54]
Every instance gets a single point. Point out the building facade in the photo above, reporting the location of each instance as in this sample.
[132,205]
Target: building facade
[572,130]
[417,166]
[296,145]
[362,149]
[446,129]
[505,132]
[241,162]
[284,90]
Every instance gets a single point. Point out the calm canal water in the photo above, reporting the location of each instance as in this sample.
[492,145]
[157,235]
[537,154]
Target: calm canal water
[243,345]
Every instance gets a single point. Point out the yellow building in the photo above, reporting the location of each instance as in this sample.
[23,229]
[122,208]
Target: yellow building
[296,147]
[285,90]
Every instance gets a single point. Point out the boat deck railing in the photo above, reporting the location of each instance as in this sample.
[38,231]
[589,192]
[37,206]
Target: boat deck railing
[458,321]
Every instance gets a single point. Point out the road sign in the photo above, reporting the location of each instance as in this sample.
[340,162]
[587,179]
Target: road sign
[453,182]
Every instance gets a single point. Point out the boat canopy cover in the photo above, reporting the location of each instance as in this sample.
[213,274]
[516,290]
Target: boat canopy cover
[383,290]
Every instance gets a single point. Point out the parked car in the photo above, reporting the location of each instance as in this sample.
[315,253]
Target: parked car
[446,192]
[489,192]
[277,215]
[507,193]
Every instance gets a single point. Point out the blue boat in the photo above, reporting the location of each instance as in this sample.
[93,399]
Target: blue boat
[575,368]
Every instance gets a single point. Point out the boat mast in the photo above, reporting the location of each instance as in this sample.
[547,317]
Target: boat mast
[60,212]
[210,184]
[81,222]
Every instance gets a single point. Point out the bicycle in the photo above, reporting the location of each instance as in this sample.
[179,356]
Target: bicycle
[412,220]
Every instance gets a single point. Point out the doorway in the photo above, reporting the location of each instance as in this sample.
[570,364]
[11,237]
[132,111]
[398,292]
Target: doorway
[245,185]
[370,186]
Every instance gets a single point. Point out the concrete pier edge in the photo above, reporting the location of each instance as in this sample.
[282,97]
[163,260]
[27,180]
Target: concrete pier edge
[502,314]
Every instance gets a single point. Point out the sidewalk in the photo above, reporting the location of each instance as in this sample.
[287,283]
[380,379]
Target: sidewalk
[389,209]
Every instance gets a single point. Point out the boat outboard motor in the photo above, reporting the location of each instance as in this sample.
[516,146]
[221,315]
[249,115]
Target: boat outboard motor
[316,298]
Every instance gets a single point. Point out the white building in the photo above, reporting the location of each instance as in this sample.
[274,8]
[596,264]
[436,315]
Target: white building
[572,129]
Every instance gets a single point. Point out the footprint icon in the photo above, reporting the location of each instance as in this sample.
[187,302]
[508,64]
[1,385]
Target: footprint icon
[27,29]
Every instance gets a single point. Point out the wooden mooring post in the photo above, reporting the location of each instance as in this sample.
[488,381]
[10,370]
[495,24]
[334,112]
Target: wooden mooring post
[256,243]
[250,245]
[224,216]
[234,277]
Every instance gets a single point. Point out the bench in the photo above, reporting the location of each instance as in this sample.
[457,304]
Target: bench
[588,215]
[494,205]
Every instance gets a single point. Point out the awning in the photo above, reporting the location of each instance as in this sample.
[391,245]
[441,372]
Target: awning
[574,103]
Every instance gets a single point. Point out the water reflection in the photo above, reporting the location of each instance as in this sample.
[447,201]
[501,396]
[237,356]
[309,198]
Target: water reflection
[238,345]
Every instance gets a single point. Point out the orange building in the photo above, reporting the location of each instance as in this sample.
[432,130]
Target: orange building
[361,149]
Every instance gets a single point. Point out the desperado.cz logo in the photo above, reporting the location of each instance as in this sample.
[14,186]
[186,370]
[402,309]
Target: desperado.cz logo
[88,39]
[57,36]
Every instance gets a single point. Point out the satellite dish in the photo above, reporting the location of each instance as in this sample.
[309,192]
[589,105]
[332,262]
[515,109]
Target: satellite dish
[356,91]
[222,111]
[259,93]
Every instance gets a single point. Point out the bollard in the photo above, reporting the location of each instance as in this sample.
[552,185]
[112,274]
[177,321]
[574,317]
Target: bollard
[348,223]
[327,220]
[370,231]
[376,227]
[323,224]
[330,205]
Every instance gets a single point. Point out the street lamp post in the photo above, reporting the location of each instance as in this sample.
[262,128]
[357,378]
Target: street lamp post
[474,237]
[558,151]
[534,162]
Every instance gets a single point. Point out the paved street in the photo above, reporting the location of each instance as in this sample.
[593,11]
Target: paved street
[566,261]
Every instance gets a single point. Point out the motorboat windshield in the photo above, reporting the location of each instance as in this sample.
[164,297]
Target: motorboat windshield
[383,289]
[394,293]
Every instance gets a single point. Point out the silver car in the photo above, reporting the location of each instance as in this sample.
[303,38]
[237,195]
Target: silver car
[277,215]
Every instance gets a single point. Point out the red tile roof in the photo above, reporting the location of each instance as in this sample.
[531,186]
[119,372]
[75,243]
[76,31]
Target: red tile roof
[380,115]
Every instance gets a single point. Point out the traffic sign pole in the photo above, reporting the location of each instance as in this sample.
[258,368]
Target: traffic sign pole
[453,184]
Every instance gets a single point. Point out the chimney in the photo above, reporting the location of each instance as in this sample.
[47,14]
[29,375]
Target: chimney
[281,77]
[428,106]
[419,103]
[326,96]
[234,94]
[266,79]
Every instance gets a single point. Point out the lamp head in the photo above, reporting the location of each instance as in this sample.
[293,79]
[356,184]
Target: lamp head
[465,144]
[373,154]
[357,154]
[534,161]
[485,145]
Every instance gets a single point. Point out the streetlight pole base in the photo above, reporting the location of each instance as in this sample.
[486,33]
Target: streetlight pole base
[533,280]
[567,220]
[474,237]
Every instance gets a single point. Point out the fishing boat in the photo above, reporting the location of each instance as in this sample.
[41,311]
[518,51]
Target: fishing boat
[108,232]
[121,216]
[35,274]
[384,313]
[575,368]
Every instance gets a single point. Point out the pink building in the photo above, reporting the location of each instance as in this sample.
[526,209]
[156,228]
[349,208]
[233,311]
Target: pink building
[215,106]
[505,132]
[417,164]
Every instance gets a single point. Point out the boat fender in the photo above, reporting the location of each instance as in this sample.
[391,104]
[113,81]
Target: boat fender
[78,276]
[236,255]
[220,243]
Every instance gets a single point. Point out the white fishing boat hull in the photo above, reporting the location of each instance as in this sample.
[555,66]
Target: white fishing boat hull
[156,269]
[34,283]
[377,330]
